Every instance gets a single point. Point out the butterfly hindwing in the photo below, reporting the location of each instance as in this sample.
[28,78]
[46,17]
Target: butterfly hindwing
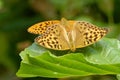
[53,38]
[88,33]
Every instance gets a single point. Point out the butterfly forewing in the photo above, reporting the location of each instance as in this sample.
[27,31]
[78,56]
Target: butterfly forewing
[53,38]
[40,28]
[88,33]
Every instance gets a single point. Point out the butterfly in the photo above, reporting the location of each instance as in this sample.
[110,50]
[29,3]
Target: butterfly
[66,34]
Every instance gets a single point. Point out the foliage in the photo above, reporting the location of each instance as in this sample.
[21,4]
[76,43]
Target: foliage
[17,15]
[101,59]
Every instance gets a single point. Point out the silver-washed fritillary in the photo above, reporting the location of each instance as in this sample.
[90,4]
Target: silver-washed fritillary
[64,35]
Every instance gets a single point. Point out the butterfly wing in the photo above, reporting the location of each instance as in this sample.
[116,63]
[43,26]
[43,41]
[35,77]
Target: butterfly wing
[88,33]
[53,38]
[41,27]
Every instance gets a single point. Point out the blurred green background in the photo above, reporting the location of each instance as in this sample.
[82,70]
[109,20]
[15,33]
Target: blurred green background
[17,15]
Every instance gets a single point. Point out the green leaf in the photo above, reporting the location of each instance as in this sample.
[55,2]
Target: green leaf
[118,76]
[106,51]
[38,61]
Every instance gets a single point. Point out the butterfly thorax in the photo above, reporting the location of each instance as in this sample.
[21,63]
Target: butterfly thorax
[70,33]
[71,37]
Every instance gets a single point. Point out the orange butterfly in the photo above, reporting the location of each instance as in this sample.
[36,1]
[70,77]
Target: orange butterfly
[64,35]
